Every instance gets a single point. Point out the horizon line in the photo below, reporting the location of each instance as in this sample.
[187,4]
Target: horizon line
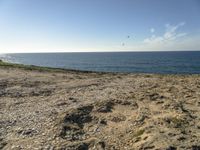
[120,51]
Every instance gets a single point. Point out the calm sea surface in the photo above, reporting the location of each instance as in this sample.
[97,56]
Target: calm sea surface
[140,62]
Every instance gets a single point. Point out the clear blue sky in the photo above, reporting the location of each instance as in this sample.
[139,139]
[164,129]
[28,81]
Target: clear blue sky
[99,25]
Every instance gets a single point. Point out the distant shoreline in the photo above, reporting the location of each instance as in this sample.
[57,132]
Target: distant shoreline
[63,70]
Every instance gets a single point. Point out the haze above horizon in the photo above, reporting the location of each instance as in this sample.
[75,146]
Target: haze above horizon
[94,25]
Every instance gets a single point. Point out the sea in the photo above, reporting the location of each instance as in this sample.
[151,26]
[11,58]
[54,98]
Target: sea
[171,62]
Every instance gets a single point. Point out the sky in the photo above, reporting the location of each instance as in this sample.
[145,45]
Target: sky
[99,25]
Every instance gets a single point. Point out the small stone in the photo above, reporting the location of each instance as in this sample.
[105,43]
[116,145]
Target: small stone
[171,148]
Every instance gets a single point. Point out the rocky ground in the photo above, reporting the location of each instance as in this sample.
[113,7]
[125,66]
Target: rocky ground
[79,111]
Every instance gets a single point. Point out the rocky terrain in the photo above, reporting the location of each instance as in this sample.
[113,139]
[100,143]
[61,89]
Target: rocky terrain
[71,110]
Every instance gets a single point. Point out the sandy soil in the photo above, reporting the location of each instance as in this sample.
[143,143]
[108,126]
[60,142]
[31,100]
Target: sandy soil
[80,111]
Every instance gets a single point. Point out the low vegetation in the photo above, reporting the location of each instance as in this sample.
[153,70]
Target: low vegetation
[28,67]
[37,68]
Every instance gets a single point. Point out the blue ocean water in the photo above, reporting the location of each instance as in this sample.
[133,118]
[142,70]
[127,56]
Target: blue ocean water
[184,62]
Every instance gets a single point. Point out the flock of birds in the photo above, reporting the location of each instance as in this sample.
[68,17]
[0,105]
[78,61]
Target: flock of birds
[128,37]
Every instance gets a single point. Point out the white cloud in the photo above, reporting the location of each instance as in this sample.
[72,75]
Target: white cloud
[170,34]
[171,39]
[152,30]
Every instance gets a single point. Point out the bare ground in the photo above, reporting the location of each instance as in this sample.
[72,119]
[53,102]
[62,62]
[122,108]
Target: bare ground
[95,111]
